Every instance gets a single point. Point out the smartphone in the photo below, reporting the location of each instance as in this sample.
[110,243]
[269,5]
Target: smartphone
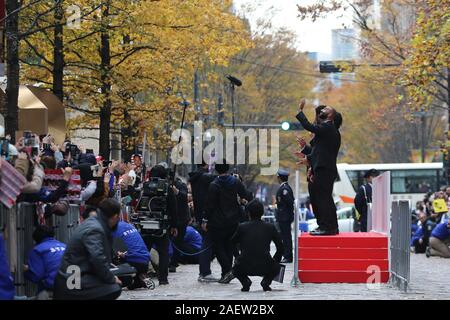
[46,146]
[90,151]
[34,152]
[27,134]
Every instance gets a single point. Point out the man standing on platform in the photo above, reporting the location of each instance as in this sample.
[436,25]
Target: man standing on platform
[285,213]
[323,159]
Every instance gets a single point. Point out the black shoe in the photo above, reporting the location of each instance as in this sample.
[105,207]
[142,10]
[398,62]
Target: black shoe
[172,269]
[227,278]
[163,282]
[286,260]
[246,286]
[266,286]
[324,232]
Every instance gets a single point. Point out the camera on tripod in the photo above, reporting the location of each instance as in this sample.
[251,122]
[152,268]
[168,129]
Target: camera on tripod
[151,216]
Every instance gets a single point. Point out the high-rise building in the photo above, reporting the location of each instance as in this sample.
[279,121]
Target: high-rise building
[343,44]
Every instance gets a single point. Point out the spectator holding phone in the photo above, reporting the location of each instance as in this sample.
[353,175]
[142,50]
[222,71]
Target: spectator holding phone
[31,169]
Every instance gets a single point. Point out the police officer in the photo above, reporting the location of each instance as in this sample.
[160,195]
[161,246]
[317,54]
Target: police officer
[285,213]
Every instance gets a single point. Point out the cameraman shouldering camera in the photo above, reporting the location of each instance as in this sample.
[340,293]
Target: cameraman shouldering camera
[162,241]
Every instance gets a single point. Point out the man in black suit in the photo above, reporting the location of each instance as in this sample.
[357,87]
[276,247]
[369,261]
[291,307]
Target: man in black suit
[254,239]
[323,157]
[364,197]
[305,151]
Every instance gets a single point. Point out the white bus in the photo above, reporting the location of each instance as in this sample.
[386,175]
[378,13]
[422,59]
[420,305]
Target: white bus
[409,181]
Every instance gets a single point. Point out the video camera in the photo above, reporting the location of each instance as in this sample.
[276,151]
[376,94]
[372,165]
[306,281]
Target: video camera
[74,151]
[151,216]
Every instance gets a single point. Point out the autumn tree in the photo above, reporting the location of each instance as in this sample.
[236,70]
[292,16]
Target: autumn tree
[125,63]
[390,41]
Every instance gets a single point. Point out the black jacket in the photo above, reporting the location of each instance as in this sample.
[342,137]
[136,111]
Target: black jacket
[285,203]
[89,248]
[200,181]
[254,239]
[223,209]
[172,208]
[183,212]
[363,198]
[327,142]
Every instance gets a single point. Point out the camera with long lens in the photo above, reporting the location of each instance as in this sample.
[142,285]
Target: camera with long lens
[151,215]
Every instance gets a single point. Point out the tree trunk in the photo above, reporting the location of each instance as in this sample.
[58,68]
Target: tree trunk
[13,69]
[58,52]
[105,110]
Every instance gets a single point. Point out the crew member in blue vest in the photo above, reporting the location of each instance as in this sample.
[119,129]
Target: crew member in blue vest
[440,241]
[136,254]
[285,213]
[189,248]
[7,289]
[421,237]
[44,261]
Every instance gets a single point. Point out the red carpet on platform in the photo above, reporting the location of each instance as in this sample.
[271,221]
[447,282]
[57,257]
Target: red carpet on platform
[358,257]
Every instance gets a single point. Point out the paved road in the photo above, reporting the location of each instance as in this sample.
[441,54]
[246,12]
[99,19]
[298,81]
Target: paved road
[429,280]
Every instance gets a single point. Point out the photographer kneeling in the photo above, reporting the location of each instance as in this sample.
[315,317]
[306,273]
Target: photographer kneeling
[89,252]
[254,238]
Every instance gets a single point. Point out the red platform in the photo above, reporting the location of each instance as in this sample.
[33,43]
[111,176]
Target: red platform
[345,258]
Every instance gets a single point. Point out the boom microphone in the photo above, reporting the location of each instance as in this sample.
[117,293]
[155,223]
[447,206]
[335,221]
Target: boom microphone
[234,80]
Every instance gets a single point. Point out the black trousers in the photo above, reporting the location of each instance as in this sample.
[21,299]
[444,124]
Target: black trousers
[162,246]
[286,236]
[313,200]
[363,221]
[223,247]
[178,241]
[241,273]
[420,247]
[207,253]
[322,188]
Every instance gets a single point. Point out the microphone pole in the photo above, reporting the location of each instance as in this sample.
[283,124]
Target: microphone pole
[185,105]
[233,83]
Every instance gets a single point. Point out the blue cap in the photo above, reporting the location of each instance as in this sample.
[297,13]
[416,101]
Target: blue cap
[283,173]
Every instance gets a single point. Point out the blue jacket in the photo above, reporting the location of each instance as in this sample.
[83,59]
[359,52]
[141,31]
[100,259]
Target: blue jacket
[441,231]
[137,251]
[417,235]
[44,261]
[7,290]
[192,238]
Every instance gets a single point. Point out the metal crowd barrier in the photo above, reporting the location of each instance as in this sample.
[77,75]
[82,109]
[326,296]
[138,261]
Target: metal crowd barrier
[7,228]
[64,226]
[400,238]
[26,221]
[17,225]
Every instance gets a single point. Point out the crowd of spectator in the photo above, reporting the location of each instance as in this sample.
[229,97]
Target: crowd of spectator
[430,228]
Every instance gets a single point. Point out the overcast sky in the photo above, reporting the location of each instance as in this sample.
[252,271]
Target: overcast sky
[311,36]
